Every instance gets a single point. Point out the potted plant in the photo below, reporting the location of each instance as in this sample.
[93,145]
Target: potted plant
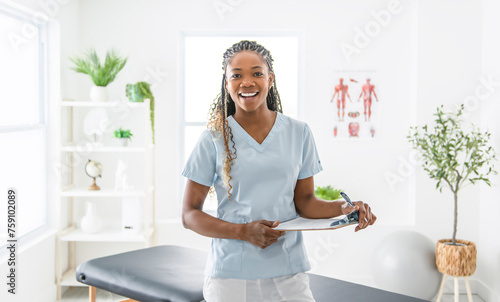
[327,193]
[101,75]
[124,135]
[138,92]
[454,159]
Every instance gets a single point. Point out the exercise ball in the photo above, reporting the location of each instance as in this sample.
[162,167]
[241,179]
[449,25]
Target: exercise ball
[405,262]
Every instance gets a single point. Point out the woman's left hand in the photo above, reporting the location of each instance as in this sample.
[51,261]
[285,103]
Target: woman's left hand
[366,217]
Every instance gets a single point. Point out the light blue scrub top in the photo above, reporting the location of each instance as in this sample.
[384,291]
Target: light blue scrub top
[263,179]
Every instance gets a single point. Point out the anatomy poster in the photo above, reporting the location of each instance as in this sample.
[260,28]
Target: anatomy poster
[355,102]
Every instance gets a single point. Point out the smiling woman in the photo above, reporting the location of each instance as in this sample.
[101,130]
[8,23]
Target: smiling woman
[261,163]
[201,79]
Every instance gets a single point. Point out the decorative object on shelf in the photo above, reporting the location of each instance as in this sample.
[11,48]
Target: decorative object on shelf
[404,262]
[131,215]
[101,75]
[138,92]
[327,193]
[99,94]
[121,177]
[94,170]
[91,223]
[94,124]
[454,158]
[124,136]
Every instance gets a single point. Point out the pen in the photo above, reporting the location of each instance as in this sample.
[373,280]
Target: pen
[347,198]
[353,216]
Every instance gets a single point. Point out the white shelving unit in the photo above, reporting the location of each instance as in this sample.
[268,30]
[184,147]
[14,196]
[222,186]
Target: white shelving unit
[72,192]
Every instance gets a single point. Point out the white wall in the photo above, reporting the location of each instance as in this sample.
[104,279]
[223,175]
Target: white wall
[429,54]
[488,244]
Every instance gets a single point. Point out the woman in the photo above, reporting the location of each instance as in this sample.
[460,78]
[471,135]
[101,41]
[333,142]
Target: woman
[261,165]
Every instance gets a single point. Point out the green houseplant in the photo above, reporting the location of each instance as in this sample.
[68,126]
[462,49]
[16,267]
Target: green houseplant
[327,193]
[138,92]
[124,135]
[101,74]
[454,158]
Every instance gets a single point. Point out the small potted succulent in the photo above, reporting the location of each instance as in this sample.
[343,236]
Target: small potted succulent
[138,92]
[124,135]
[454,158]
[101,74]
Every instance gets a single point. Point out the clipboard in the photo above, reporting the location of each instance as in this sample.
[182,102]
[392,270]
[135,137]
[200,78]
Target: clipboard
[306,224]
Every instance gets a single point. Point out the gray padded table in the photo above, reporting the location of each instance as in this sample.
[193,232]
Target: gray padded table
[174,273]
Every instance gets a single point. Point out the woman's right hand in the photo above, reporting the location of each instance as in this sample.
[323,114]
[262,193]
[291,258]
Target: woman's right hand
[261,233]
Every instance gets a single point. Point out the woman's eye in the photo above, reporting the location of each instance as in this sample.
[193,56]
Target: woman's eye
[235,76]
[259,73]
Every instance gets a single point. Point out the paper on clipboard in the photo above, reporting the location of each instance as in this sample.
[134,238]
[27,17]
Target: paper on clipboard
[305,224]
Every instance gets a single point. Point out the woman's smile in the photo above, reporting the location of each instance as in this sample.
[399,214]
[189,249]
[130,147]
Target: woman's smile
[249,96]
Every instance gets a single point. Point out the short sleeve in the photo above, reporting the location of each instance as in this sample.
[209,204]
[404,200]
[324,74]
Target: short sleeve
[200,166]
[311,164]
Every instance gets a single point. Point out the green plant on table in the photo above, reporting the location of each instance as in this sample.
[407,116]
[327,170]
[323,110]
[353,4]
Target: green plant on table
[101,75]
[327,193]
[120,133]
[138,92]
[451,156]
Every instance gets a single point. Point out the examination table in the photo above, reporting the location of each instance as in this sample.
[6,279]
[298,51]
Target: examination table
[175,273]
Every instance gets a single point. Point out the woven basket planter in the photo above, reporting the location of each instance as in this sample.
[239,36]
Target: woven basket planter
[456,260]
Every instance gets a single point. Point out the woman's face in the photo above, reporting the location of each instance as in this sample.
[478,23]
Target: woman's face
[248,81]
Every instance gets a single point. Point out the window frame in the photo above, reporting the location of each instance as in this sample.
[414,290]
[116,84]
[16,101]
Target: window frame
[24,15]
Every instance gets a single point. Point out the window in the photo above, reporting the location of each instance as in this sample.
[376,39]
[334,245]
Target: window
[22,119]
[202,77]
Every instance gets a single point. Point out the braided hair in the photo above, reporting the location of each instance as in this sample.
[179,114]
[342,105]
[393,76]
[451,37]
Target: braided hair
[224,106]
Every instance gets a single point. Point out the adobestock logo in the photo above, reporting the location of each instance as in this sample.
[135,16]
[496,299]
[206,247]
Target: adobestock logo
[223,6]
[483,91]
[406,167]
[323,250]
[363,38]
[29,29]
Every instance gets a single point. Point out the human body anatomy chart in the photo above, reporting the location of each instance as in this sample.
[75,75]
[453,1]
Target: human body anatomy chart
[356,105]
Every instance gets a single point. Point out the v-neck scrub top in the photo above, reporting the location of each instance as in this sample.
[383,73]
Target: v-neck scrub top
[263,183]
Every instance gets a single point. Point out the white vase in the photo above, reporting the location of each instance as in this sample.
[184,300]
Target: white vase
[99,94]
[91,223]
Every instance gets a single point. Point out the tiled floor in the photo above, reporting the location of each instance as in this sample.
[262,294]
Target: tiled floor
[81,294]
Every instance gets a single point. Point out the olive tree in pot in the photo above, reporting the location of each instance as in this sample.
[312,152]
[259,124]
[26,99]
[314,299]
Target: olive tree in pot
[454,159]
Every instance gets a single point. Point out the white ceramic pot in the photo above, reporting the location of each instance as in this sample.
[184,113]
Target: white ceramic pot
[124,141]
[91,223]
[99,94]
